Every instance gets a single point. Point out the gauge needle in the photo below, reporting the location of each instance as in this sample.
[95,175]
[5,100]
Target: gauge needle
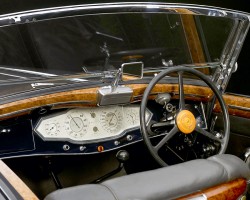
[111,120]
[132,117]
[74,121]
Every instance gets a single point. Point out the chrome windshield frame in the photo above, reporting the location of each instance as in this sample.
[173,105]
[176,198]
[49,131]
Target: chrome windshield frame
[229,55]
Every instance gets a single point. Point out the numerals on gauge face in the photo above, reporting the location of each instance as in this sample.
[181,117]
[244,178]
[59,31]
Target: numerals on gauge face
[111,121]
[52,129]
[76,124]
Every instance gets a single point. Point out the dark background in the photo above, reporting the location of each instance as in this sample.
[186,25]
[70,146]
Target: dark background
[240,80]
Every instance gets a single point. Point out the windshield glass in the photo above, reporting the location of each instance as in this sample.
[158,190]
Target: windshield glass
[103,42]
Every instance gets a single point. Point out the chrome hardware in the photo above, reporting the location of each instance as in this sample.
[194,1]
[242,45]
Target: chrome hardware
[219,135]
[208,149]
[170,107]
[247,154]
[82,148]
[121,95]
[129,137]
[167,63]
[163,98]
[34,85]
[213,121]
[66,147]
[5,130]
[114,84]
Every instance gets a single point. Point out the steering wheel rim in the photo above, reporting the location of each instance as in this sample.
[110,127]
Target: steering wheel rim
[180,69]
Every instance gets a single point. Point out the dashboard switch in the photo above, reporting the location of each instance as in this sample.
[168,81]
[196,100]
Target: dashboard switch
[129,137]
[82,148]
[66,147]
[100,148]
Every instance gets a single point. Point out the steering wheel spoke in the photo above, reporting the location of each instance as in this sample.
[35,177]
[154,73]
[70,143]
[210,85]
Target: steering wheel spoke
[181,91]
[166,138]
[185,119]
[207,134]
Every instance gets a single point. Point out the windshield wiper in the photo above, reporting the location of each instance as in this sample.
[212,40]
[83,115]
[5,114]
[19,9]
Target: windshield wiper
[29,72]
[35,85]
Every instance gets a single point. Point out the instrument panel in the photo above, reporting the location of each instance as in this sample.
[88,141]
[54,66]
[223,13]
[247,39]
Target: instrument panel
[84,125]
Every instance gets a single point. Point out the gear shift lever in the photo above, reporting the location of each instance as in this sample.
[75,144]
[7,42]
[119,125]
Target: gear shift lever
[122,156]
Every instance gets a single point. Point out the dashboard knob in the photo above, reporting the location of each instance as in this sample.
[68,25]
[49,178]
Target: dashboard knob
[122,156]
[163,98]
[129,137]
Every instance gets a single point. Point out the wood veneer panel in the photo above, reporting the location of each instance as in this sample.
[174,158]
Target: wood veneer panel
[16,182]
[227,191]
[138,90]
[237,105]
[88,97]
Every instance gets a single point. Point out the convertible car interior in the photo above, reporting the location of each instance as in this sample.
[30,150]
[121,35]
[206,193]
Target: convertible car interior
[123,101]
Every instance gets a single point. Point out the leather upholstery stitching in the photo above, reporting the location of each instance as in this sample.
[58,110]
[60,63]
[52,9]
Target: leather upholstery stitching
[110,189]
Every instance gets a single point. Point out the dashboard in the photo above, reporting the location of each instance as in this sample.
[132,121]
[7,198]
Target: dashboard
[85,130]
[85,125]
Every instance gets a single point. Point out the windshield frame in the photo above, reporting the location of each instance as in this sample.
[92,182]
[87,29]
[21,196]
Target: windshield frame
[229,54]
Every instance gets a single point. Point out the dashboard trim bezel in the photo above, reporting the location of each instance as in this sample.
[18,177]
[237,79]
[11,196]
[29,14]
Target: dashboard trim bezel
[82,142]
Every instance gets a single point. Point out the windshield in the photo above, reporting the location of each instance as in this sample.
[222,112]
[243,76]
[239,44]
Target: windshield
[103,42]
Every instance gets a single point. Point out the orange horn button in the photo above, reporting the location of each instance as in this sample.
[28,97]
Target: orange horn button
[185,121]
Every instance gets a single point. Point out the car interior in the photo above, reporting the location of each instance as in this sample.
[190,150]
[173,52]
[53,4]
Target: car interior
[123,101]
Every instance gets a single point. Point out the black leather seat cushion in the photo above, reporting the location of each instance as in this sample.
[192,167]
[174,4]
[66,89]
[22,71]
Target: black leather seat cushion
[164,183]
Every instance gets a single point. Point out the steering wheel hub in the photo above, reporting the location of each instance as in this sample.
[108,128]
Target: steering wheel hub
[185,121]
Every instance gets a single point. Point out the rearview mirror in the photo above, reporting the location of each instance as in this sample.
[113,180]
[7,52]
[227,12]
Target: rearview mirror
[132,71]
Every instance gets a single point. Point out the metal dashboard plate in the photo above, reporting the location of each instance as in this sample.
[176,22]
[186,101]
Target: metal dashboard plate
[85,125]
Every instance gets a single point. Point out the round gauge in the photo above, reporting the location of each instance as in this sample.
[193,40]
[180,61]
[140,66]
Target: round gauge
[51,129]
[76,124]
[111,121]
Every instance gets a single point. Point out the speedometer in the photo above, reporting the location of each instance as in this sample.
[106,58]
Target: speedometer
[111,120]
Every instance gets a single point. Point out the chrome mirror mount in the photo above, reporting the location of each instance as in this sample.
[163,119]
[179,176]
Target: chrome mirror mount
[120,94]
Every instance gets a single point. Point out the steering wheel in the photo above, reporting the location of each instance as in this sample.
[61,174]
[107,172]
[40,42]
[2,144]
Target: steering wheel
[184,121]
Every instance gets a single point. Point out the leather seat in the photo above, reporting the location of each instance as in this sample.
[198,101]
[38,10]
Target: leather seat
[164,183]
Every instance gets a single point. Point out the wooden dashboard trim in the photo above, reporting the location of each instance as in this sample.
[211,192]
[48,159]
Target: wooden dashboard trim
[226,191]
[23,190]
[88,97]
[237,105]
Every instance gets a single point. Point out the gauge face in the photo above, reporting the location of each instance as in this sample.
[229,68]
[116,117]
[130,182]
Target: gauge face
[111,121]
[76,124]
[52,129]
